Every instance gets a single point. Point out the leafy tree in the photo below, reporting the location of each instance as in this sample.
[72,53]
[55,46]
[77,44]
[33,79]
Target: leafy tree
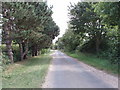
[87,23]
[93,28]
[32,26]
[111,17]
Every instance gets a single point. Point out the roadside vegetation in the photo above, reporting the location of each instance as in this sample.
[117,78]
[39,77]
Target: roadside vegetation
[93,60]
[28,28]
[29,73]
[93,30]
[27,33]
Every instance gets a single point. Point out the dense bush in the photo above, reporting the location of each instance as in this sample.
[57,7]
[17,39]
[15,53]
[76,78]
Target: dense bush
[4,61]
[16,52]
[43,51]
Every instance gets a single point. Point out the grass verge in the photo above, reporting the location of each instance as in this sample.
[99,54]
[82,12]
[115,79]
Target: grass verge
[26,74]
[94,61]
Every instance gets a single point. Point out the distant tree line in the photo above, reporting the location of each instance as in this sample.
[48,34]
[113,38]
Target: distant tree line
[93,28]
[29,25]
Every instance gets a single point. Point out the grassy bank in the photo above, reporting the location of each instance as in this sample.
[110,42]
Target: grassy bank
[94,61]
[26,74]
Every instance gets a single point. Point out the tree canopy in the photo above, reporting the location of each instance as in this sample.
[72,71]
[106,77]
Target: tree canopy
[93,28]
[28,24]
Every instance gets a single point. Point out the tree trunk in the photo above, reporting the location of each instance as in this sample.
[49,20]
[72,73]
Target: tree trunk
[36,51]
[97,45]
[33,52]
[7,31]
[23,50]
[8,42]
[118,45]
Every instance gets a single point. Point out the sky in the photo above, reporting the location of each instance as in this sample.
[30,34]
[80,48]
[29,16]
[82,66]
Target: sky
[60,13]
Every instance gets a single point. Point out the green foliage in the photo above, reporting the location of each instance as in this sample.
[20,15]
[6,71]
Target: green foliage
[16,53]
[69,42]
[109,12]
[93,28]
[4,61]
[33,28]
[44,51]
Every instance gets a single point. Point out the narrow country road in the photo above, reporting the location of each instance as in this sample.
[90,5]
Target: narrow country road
[66,72]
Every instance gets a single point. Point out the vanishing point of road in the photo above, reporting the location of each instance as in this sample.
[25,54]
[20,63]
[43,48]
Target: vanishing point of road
[67,72]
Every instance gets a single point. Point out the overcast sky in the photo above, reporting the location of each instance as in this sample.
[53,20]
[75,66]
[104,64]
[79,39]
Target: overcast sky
[60,13]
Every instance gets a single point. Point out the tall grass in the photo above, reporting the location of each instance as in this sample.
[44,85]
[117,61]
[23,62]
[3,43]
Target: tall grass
[26,74]
[100,63]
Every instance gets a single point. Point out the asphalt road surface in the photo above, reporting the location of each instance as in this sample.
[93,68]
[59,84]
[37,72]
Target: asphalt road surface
[65,72]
